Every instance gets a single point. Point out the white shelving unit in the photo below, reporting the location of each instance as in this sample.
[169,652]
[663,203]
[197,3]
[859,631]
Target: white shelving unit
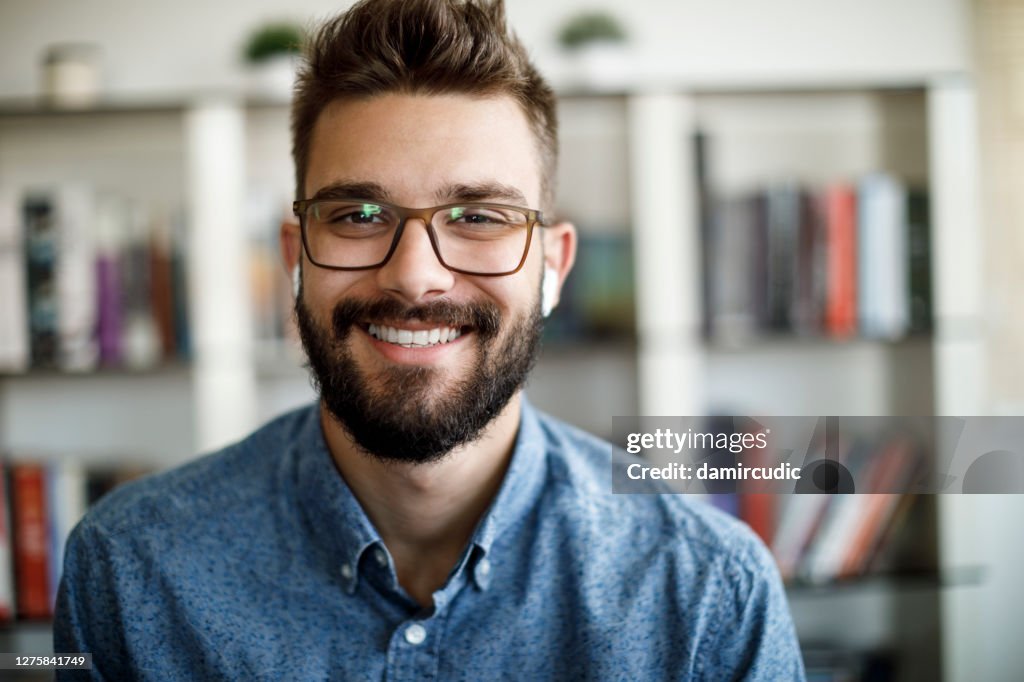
[201,153]
[925,131]
[209,152]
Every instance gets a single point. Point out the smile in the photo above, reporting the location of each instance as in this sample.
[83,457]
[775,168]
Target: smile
[410,338]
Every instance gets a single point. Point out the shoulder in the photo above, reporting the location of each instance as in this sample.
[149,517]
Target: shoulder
[685,564]
[700,536]
[207,488]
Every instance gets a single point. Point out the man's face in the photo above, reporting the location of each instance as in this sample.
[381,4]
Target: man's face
[418,403]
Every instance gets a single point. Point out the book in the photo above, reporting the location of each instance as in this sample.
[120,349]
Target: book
[41,247]
[597,301]
[841,235]
[109,230]
[180,287]
[849,532]
[882,258]
[161,294]
[29,509]
[7,595]
[783,214]
[707,215]
[919,260]
[75,277]
[892,471]
[731,299]
[801,518]
[14,330]
[140,340]
[811,271]
[66,494]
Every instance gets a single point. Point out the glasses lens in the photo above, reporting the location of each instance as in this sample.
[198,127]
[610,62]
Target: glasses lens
[481,239]
[476,238]
[349,234]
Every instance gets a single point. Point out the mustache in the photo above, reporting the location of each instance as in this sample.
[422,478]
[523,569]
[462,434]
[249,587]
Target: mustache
[483,317]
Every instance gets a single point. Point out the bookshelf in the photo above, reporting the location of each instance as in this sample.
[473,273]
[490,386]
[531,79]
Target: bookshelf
[593,193]
[628,174]
[205,159]
[919,129]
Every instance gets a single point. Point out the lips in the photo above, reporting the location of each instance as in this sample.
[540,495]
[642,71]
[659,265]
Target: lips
[414,338]
[429,325]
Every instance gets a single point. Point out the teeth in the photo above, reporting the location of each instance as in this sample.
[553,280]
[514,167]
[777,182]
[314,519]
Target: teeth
[421,338]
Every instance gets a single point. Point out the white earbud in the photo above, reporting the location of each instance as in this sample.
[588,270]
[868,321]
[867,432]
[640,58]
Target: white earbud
[296,281]
[548,291]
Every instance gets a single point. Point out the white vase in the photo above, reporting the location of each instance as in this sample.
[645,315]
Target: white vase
[273,78]
[602,65]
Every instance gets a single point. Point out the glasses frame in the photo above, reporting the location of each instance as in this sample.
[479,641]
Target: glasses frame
[533,218]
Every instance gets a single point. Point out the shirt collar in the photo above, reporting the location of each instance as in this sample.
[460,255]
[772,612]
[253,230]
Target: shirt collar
[339,525]
[334,517]
[522,484]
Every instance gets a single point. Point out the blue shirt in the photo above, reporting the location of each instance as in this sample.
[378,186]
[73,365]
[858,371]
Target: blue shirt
[257,562]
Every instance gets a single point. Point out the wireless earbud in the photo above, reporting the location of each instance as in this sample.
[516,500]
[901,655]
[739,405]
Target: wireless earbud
[548,291]
[296,281]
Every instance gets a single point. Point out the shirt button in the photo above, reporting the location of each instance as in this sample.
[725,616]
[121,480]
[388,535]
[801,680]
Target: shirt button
[415,634]
[380,557]
[346,571]
[484,568]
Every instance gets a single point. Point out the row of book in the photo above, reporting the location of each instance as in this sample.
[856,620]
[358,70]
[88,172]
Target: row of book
[89,279]
[270,290]
[823,537]
[597,301]
[40,503]
[847,260]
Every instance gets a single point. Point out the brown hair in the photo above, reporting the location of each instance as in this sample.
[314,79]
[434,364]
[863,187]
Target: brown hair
[421,47]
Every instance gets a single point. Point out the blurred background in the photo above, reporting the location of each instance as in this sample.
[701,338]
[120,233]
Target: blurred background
[786,207]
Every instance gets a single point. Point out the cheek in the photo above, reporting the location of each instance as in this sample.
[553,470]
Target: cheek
[515,295]
[325,288]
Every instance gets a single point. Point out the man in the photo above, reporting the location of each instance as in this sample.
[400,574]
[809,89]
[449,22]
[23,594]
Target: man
[423,521]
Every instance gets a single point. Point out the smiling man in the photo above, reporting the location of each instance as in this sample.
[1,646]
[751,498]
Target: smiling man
[422,520]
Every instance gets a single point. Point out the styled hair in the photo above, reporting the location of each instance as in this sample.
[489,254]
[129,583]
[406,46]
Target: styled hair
[430,47]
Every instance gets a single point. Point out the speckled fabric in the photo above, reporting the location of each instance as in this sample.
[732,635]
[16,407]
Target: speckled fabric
[257,563]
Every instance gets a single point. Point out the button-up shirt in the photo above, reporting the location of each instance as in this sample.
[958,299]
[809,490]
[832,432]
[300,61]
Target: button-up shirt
[258,563]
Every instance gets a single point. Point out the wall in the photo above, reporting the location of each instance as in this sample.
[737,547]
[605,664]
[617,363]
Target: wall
[190,44]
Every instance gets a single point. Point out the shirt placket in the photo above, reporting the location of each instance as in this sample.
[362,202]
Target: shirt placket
[415,648]
[415,644]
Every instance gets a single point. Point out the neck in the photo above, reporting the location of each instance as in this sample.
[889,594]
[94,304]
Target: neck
[426,513]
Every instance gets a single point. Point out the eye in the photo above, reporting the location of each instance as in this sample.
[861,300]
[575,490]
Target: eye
[350,214]
[483,216]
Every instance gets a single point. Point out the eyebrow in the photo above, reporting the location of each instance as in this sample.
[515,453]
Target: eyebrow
[481,191]
[477,191]
[371,191]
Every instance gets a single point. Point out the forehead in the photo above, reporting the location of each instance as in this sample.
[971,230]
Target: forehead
[414,145]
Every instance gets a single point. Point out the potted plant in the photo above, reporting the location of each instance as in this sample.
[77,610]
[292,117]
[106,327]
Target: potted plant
[272,53]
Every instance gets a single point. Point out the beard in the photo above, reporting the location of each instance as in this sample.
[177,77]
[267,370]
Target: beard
[402,414]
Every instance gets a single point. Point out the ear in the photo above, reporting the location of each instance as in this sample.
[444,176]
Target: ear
[559,251]
[291,244]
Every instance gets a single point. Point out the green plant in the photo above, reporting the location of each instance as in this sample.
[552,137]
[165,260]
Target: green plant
[590,27]
[272,40]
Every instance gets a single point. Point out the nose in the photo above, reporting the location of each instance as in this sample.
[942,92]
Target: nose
[414,272]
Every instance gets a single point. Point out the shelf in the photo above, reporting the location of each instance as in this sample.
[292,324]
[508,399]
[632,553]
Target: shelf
[963,576]
[783,341]
[173,368]
[162,103]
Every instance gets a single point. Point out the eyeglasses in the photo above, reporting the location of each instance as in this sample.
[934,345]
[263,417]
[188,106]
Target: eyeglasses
[471,238]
